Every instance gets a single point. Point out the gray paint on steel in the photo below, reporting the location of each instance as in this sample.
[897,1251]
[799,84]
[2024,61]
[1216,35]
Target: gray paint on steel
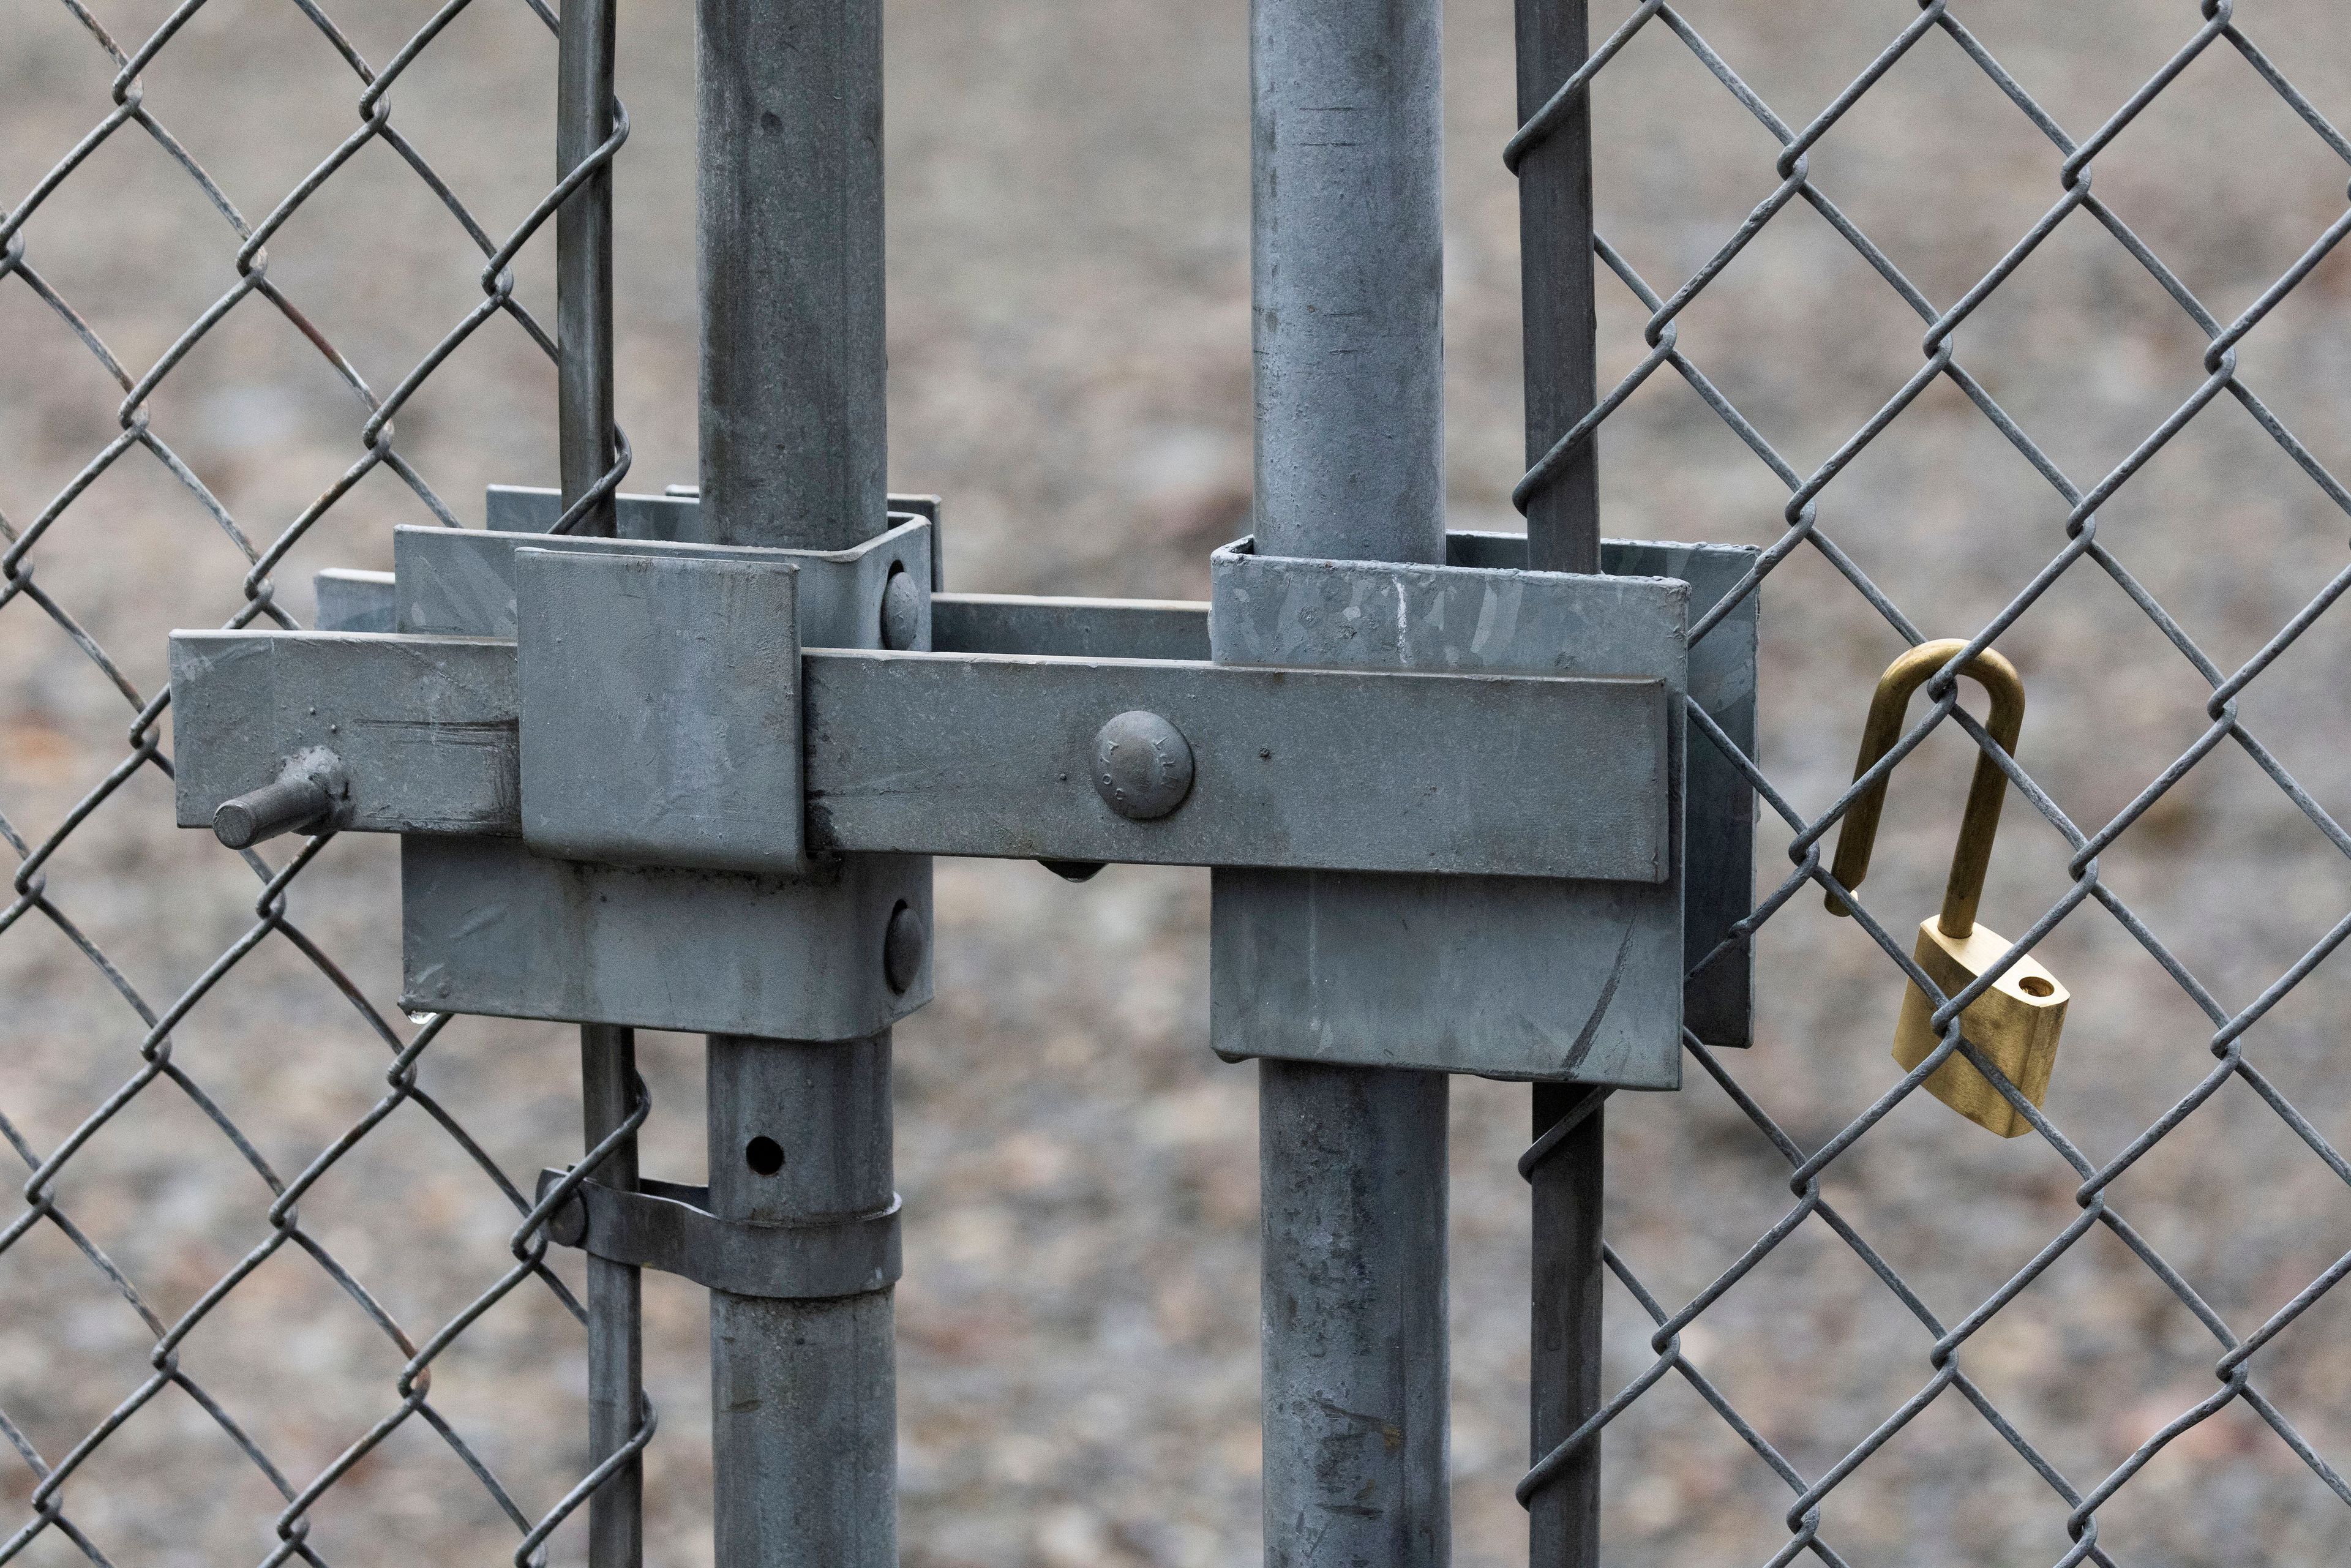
[1565,978]
[661,711]
[1467,773]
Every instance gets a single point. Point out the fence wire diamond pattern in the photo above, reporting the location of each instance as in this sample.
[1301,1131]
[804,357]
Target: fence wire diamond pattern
[158,1071]
[1944,1342]
[52,1515]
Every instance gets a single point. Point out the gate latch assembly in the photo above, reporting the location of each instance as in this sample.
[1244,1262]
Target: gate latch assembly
[1453,820]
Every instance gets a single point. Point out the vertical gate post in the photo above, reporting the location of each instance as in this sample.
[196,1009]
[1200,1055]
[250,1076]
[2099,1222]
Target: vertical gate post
[583,263]
[1563,535]
[608,1076]
[1555,278]
[1348,276]
[803,1415]
[788,107]
[587,451]
[1564,1516]
[804,1412]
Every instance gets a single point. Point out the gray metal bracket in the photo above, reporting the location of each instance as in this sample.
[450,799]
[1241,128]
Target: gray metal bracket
[463,581]
[488,926]
[671,516]
[1513,976]
[669,1226]
[643,745]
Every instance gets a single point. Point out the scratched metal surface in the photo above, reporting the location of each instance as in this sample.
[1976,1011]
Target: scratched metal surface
[1070,349]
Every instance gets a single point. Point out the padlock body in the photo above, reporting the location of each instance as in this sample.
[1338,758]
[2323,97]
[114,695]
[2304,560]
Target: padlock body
[2015,1024]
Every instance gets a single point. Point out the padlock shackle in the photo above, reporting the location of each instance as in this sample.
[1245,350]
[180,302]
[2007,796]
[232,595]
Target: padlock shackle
[1858,835]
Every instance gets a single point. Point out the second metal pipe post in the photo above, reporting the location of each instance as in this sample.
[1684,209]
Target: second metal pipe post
[1348,264]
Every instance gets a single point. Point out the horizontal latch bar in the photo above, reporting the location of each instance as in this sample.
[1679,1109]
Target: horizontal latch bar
[996,755]
[669,1226]
[1471,775]
[426,726]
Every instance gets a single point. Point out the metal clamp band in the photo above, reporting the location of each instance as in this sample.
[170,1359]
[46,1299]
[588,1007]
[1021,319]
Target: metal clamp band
[669,1226]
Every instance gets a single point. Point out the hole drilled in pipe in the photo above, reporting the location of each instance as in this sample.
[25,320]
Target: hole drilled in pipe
[764,1155]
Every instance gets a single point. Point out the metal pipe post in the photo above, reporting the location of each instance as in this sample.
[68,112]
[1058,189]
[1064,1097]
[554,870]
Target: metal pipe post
[1555,278]
[1348,286]
[794,437]
[1563,535]
[616,1351]
[804,1393]
[584,119]
[1347,267]
[587,448]
[1563,1517]
[1356,1367]
[804,1425]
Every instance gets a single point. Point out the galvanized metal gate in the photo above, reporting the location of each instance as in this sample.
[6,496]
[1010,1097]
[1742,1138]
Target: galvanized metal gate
[1493,849]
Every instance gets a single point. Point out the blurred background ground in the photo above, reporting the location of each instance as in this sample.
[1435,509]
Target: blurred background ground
[1070,368]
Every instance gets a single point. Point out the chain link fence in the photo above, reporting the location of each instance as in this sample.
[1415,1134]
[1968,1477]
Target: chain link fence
[2024,588]
[1988,320]
[165,1063]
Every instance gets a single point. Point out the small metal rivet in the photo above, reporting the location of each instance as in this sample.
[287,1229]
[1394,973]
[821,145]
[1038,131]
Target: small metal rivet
[1143,766]
[902,611]
[568,1226]
[902,946]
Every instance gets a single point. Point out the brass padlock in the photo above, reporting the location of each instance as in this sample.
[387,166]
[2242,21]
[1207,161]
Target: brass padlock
[2015,1023]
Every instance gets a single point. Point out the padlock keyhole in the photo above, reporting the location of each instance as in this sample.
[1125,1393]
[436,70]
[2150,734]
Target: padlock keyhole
[2035,986]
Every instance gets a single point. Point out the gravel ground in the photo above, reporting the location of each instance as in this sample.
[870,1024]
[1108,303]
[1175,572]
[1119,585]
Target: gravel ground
[1070,349]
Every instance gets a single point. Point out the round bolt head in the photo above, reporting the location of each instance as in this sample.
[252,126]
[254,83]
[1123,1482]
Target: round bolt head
[568,1226]
[902,947]
[1143,766]
[902,611]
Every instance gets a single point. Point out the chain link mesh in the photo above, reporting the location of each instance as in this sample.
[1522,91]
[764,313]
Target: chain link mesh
[87,917]
[1943,1340]
[52,1507]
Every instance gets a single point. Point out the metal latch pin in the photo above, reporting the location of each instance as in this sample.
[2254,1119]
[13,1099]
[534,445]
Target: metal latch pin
[308,793]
